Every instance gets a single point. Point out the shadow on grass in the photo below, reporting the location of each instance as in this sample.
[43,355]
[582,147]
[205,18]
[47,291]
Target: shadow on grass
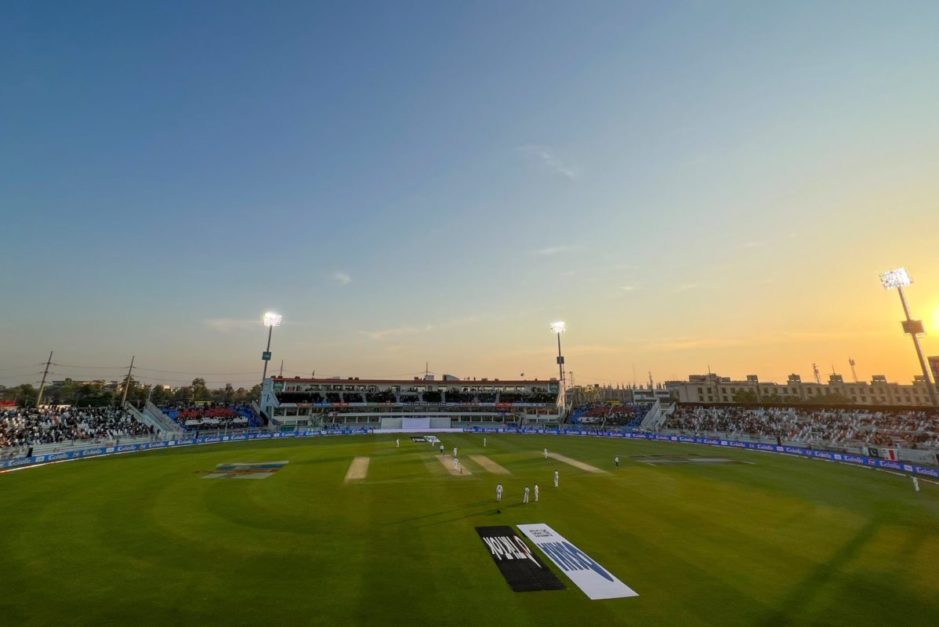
[802,595]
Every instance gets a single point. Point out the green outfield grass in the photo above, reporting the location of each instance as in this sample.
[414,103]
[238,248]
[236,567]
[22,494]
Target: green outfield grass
[144,539]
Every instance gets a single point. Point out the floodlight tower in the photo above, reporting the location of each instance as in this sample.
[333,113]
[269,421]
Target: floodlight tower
[271,320]
[899,279]
[559,327]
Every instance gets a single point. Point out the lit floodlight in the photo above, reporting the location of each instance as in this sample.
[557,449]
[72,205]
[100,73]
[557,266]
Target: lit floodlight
[895,278]
[558,327]
[272,319]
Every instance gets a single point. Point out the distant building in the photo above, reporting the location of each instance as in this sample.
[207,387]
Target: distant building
[711,388]
[581,394]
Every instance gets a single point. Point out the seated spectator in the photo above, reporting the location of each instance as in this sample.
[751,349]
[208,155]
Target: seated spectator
[27,427]
[897,428]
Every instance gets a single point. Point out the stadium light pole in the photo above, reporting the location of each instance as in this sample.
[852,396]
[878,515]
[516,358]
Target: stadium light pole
[559,327]
[271,320]
[899,279]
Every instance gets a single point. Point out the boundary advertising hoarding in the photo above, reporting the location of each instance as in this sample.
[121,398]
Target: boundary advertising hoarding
[595,581]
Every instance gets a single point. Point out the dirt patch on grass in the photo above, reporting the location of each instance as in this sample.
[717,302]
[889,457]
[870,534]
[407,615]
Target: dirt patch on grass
[358,469]
[576,464]
[447,461]
[490,466]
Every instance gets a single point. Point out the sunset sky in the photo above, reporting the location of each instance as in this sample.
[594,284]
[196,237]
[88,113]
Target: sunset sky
[687,185]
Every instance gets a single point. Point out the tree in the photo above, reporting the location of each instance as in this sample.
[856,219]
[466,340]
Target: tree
[832,398]
[745,396]
[160,395]
[182,395]
[25,395]
[199,390]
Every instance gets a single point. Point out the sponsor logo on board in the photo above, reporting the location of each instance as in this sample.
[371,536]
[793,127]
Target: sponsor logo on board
[583,570]
[523,570]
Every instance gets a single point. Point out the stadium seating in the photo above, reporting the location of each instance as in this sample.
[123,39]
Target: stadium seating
[27,427]
[212,417]
[887,427]
[621,415]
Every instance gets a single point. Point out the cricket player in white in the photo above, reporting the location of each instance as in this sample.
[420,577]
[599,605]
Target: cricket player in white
[525,498]
[537,491]
[556,478]
[916,484]
[616,461]
[397,443]
[546,453]
[498,493]
[484,442]
[456,463]
[454,451]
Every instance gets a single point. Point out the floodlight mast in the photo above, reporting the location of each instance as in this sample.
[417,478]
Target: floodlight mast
[899,279]
[271,320]
[559,327]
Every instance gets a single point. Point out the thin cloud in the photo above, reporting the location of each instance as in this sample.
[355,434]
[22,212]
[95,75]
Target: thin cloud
[230,325]
[394,332]
[341,278]
[591,349]
[682,344]
[687,287]
[384,334]
[715,343]
[550,160]
[549,251]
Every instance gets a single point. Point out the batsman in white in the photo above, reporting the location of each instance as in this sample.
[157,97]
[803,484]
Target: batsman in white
[525,498]
[537,492]
[498,493]
[556,478]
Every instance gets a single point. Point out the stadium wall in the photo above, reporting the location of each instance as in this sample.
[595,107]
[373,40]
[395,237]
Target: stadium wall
[844,458]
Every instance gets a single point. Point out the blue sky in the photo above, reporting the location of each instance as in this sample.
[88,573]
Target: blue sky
[687,184]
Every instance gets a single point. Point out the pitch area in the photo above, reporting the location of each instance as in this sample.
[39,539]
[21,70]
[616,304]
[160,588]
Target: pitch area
[143,539]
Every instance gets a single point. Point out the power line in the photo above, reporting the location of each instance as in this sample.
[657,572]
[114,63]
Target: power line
[196,373]
[89,367]
[186,372]
[12,375]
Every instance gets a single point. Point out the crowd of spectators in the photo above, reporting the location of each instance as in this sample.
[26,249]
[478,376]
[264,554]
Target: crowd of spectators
[28,427]
[609,414]
[888,428]
[213,416]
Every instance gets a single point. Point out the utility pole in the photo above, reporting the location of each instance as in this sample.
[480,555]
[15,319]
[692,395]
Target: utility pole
[853,371]
[281,369]
[127,380]
[42,386]
[818,377]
